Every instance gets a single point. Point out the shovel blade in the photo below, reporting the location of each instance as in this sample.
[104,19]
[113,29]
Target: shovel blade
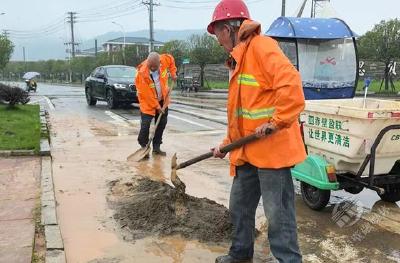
[179,185]
[139,154]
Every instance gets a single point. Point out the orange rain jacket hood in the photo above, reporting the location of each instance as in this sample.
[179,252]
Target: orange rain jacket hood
[264,87]
[147,93]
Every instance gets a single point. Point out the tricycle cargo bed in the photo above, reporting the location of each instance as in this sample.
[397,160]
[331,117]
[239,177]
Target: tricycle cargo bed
[342,131]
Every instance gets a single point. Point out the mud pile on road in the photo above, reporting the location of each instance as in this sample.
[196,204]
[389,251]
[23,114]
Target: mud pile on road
[148,207]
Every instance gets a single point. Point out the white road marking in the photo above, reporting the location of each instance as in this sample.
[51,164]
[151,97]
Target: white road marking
[214,132]
[189,121]
[117,118]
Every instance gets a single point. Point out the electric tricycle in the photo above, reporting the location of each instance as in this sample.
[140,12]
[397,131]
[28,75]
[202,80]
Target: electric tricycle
[352,143]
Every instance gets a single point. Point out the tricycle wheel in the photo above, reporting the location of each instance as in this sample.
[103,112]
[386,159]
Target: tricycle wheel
[314,198]
[354,189]
[392,194]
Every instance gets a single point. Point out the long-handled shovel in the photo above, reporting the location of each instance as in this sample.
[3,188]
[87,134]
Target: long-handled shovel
[144,151]
[179,185]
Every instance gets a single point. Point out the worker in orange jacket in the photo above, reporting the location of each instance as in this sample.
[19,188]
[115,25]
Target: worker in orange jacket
[152,87]
[265,96]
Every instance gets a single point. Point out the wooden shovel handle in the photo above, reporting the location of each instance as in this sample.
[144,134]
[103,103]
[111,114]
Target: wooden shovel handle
[227,148]
[161,114]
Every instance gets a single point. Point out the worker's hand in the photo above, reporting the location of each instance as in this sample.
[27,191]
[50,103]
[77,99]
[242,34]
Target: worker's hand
[265,129]
[174,77]
[160,110]
[217,152]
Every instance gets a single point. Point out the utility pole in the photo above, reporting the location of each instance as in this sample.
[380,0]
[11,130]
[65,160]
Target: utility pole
[95,48]
[24,55]
[71,20]
[151,4]
[283,8]
[151,25]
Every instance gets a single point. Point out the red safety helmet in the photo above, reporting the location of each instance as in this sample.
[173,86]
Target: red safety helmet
[228,9]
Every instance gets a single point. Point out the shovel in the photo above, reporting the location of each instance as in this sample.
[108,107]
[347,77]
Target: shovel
[179,185]
[144,151]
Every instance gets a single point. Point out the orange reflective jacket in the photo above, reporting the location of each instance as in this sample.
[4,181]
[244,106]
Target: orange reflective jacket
[264,87]
[147,93]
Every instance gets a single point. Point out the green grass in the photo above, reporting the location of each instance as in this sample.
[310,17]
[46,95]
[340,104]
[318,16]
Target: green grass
[375,85]
[20,128]
[216,84]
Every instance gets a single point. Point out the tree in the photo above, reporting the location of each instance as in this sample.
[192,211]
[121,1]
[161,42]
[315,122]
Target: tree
[135,55]
[203,50]
[178,49]
[382,43]
[6,49]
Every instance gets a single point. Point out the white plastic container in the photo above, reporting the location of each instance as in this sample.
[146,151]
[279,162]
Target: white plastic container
[342,131]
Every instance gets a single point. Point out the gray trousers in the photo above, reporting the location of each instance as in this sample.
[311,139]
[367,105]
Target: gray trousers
[277,191]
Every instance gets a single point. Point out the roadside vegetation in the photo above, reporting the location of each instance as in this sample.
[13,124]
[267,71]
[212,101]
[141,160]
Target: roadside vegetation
[19,127]
[375,86]
[199,49]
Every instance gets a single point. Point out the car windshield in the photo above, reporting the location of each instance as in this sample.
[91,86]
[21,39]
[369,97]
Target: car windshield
[122,72]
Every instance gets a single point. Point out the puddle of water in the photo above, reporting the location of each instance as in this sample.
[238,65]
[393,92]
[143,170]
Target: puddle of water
[81,173]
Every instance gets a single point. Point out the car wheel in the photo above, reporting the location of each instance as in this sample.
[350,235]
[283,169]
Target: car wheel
[112,103]
[89,99]
[314,198]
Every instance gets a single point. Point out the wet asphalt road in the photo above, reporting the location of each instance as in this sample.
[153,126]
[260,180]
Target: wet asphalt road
[373,234]
[73,99]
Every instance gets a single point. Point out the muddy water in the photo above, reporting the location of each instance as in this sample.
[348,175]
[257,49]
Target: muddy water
[89,153]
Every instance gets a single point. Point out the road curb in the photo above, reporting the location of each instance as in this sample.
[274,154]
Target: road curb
[219,91]
[54,243]
[7,153]
[44,129]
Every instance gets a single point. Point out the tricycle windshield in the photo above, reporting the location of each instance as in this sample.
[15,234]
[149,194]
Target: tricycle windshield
[327,64]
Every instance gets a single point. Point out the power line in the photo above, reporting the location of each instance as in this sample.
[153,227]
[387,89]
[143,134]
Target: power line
[107,8]
[112,10]
[192,2]
[191,5]
[132,10]
[45,28]
[56,25]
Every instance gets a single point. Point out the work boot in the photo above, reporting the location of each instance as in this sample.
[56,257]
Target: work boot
[230,259]
[157,151]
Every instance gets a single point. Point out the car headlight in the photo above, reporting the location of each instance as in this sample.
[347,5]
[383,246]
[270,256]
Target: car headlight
[120,86]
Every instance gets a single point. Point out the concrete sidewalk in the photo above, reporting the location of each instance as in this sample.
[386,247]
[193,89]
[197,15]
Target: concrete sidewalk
[19,194]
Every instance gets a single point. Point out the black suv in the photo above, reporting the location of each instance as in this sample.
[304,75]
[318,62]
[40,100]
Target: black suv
[114,84]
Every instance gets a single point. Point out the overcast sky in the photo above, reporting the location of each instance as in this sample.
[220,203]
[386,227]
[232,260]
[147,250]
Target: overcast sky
[95,16]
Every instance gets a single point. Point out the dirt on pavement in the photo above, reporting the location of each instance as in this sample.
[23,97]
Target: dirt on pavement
[150,207]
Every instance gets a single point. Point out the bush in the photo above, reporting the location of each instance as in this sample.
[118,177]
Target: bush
[13,95]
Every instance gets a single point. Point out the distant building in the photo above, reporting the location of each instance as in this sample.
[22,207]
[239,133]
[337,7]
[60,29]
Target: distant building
[90,52]
[142,44]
